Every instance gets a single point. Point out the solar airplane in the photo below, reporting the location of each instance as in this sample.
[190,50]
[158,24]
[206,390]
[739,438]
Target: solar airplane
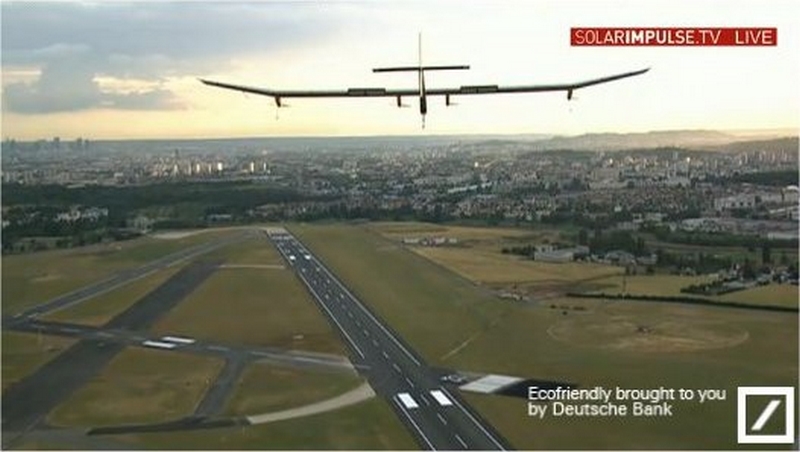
[421,90]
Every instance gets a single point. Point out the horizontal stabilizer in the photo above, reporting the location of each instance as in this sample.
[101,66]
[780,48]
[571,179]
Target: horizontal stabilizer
[457,67]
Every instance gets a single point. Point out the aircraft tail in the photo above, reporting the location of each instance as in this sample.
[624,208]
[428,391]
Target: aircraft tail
[421,68]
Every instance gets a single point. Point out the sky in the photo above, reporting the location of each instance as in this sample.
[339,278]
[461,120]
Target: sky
[118,70]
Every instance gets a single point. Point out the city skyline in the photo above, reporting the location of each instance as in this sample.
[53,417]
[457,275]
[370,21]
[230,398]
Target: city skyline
[118,71]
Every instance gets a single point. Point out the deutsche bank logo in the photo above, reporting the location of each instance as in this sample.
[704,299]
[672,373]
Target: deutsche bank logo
[765,414]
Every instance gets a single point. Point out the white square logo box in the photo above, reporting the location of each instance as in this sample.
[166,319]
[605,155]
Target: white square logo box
[782,399]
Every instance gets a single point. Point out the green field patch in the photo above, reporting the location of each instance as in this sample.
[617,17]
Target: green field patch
[265,388]
[102,308]
[139,386]
[252,306]
[774,294]
[490,266]
[23,353]
[428,305]
[34,278]
[632,345]
[660,285]
[370,425]
[256,251]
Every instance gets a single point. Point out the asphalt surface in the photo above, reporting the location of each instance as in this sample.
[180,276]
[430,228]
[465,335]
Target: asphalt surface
[118,280]
[134,338]
[437,418]
[29,400]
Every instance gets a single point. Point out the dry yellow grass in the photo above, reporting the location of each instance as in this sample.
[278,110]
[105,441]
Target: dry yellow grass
[400,230]
[488,266]
[773,294]
[101,309]
[662,285]
[140,386]
[265,388]
[23,353]
[34,278]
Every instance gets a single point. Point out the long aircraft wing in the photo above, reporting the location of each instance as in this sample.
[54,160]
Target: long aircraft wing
[462,90]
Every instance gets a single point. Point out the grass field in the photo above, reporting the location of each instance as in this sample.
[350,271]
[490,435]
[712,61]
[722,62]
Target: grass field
[625,343]
[265,388]
[139,386]
[468,233]
[773,294]
[685,347]
[670,285]
[34,278]
[99,310]
[23,353]
[252,306]
[430,308]
[490,266]
[662,285]
[369,425]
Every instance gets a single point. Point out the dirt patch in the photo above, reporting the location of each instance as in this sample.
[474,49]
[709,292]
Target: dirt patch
[46,277]
[642,334]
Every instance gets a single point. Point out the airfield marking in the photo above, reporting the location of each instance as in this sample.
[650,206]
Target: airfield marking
[441,418]
[475,421]
[330,314]
[218,348]
[416,427]
[461,441]
[411,383]
[396,367]
[369,314]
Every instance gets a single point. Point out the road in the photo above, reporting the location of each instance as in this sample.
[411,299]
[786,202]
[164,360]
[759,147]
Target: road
[436,417]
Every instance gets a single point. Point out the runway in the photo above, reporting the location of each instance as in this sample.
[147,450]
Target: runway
[120,279]
[438,418]
[29,400]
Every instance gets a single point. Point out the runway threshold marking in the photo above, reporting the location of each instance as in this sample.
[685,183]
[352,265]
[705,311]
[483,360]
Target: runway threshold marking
[461,441]
[441,398]
[407,400]
[157,344]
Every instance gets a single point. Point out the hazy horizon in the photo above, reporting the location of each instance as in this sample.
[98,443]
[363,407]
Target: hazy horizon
[130,70]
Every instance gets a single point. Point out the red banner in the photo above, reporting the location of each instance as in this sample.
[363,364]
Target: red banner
[661,36]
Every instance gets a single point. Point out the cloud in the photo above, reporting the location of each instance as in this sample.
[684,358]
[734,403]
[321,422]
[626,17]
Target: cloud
[74,43]
[64,86]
